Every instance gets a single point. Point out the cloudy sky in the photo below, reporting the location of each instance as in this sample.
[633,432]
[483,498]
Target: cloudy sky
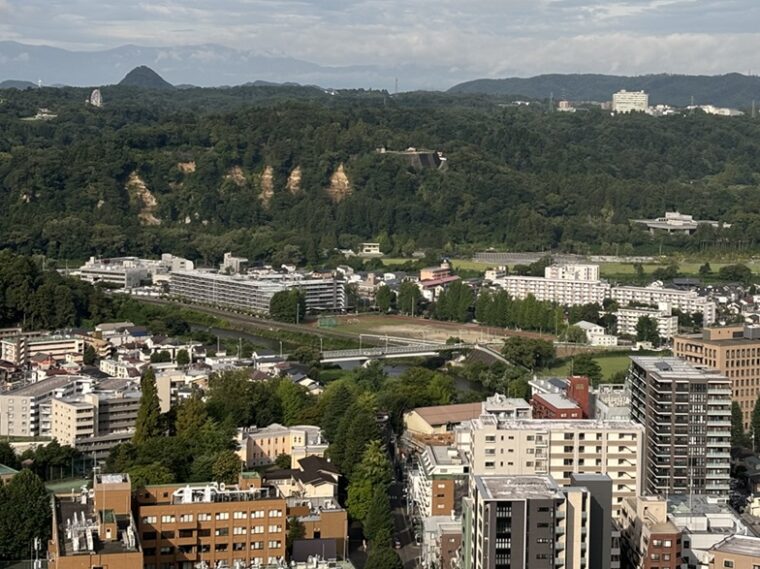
[483,37]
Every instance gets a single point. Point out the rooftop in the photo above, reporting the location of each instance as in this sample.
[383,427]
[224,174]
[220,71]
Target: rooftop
[444,414]
[676,368]
[554,424]
[517,487]
[557,401]
[739,545]
[43,387]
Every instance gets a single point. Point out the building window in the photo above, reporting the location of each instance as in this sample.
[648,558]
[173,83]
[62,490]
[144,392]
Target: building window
[240,531]
[277,544]
[222,516]
[275,513]
[186,517]
[257,514]
[273,529]
[257,529]
[257,545]
[222,531]
[240,515]
[728,563]
[149,520]
[168,519]
[204,517]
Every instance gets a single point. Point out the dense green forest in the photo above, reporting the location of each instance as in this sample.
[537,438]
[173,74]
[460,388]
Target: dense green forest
[197,172]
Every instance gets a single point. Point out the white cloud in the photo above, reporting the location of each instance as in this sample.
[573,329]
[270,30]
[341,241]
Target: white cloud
[483,37]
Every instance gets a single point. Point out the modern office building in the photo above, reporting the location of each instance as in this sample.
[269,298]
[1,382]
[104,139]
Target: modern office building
[686,412]
[732,350]
[181,525]
[628,318]
[630,102]
[557,448]
[254,293]
[676,222]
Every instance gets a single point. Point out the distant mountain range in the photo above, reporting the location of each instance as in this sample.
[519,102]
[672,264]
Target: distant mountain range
[732,90]
[13,84]
[206,66]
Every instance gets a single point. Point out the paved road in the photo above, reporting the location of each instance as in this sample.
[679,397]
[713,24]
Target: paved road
[409,552]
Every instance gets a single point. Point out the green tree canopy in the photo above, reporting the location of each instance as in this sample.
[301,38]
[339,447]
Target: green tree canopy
[147,424]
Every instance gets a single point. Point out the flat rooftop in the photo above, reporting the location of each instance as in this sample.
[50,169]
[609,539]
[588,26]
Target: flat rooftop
[676,368]
[554,425]
[740,545]
[445,456]
[557,401]
[518,487]
[45,386]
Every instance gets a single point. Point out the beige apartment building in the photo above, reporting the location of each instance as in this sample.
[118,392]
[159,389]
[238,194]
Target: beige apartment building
[732,350]
[20,349]
[557,448]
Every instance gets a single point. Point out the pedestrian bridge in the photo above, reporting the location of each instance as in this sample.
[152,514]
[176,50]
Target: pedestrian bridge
[389,352]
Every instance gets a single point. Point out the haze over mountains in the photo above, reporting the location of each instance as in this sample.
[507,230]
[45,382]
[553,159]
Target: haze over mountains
[206,66]
[213,65]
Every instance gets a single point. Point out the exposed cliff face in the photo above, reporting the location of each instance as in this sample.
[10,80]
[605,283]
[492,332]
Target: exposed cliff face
[237,175]
[294,181]
[186,167]
[143,198]
[267,186]
[340,185]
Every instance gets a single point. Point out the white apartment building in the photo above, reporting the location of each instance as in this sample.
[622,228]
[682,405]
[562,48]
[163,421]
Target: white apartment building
[628,319]
[25,411]
[130,272]
[572,272]
[20,349]
[655,294]
[630,101]
[254,293]
[558,448]
[567,292]
[596,335]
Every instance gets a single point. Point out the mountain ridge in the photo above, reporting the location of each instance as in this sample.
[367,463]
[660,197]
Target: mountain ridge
[730,89]
[145,78]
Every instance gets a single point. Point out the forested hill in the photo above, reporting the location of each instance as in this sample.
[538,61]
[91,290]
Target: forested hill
[291,173]
[732,90]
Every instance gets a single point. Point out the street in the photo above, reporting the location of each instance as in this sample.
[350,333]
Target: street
[410,551]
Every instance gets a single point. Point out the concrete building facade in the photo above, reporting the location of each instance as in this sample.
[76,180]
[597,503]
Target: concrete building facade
[686,411]
[557,448]
[732,350]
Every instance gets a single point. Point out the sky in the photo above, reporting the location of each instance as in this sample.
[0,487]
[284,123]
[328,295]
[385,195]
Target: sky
[488,38]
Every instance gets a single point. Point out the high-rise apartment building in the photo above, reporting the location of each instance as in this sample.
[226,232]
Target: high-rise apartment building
[557,448]
[516,522]
[649,539]
[732,350]
[686,412]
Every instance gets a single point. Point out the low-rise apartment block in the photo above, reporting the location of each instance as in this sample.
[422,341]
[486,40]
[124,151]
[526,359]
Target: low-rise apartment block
[439,482]
[557,448]
[263,446]
[19,350]
[254,293]
[649,540]
[732,350]
[628,318]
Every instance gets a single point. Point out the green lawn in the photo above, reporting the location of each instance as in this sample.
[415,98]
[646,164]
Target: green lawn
[610,364]
[464,264]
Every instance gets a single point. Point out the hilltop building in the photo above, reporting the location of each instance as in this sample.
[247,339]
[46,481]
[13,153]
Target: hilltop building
[624,102]
[676,222]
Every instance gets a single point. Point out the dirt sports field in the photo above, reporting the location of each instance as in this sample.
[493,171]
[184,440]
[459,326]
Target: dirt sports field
[421,329]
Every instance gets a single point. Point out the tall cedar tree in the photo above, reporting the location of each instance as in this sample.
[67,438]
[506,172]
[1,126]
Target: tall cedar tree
[191,415]
[738,436]
[755,425]
[378,523]
[383,558]
[24,514]
[147,424]
[339,400]
[372,472]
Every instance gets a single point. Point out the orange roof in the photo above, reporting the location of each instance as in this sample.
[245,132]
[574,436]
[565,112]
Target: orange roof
[443,414]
